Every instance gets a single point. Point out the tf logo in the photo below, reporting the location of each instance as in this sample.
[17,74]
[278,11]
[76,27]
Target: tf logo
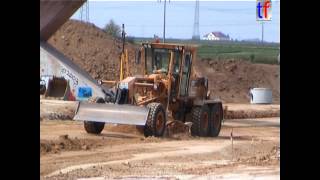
[263,10]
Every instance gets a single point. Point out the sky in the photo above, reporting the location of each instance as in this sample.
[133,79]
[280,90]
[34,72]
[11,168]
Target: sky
[144,18]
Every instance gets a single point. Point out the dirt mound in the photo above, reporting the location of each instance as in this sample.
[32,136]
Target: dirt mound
[132,129]
[56,116]
[50,110]
[98,53]
[92,49]
[174,130]
[251,114]
[177,130]
[64,143]
[272,157]
[231,80]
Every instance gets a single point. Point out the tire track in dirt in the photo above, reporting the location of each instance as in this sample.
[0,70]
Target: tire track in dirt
[136,155]
[192,148]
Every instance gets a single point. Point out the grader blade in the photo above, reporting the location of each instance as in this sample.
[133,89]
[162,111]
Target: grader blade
[112,113]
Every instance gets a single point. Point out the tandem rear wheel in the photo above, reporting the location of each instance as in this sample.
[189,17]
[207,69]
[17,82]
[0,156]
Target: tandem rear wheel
[206,120]
[216,120]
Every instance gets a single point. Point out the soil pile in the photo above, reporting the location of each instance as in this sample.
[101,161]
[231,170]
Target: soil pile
[231,80]
[92,49]
[174,130]
[272,157]
[123,128]
[178,130]
[61,110]
[64,143]
[98,53]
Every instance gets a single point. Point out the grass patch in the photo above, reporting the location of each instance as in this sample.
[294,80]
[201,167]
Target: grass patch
[254,52]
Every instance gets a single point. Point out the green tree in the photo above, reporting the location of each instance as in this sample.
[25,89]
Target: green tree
[252,57]
[113,29]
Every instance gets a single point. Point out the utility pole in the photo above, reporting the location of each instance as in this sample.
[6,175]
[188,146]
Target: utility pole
[164,20]
[123,35]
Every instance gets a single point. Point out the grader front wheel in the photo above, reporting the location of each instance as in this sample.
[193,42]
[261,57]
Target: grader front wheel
[156,121]
[94,127]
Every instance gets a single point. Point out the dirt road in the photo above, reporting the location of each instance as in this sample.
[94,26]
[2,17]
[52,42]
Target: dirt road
[67,152]
[64,110]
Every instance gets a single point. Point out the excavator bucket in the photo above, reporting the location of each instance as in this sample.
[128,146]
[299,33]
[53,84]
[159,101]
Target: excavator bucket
[112,113]
[57,88]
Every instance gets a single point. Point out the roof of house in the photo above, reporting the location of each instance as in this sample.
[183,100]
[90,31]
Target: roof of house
[217,34]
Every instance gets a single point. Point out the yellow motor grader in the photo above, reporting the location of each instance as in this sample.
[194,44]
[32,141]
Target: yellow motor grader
[168,85]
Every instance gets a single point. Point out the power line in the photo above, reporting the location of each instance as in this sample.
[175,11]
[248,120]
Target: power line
[164,21]
[202,25]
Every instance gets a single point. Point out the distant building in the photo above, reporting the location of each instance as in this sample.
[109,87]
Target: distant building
[216,36]
[156,38]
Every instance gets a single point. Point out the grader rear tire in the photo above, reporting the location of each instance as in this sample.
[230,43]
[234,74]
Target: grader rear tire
[94,127]
[156,122]
[216,120]
[200,121]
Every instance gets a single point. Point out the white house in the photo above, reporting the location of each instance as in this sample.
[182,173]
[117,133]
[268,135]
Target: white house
[216,36]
